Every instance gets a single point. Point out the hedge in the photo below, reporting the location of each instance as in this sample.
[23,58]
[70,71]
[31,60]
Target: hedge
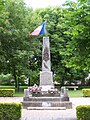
[83,112]
[10,111]
[1,116]
[86,92]
[7,92]
[21,88]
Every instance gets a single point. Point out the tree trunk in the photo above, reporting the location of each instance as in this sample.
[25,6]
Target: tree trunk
[83,82]
[18,85]
[29,81]
[62,82]
[14,74]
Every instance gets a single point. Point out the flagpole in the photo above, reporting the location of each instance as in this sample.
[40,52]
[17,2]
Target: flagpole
[46,35]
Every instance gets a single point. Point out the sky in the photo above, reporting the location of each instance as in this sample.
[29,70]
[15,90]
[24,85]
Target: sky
[43,3]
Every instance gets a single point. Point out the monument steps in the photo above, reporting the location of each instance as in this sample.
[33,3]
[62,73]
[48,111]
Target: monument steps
[47,103]
[46,108]
[43,99]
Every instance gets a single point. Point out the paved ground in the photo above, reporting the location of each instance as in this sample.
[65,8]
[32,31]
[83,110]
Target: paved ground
[69,114]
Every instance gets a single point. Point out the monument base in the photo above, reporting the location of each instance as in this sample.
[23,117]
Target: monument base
[44,99]
[46,88]
[50,102]
[46,80]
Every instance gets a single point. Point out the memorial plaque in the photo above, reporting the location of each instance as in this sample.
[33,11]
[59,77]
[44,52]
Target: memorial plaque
[46,54]
[46,78]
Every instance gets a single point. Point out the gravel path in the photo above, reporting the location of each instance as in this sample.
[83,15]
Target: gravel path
[69,114]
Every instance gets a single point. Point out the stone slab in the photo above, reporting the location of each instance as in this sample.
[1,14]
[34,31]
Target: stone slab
[42,99]
[26,104]
[46,78]
[46,108]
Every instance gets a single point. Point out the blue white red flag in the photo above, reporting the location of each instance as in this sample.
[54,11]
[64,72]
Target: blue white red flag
[39,30]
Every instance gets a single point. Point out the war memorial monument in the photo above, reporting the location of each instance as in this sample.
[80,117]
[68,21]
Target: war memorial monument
[46,95]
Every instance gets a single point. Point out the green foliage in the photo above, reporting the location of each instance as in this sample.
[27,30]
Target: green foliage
[34,77]
[10,111]
[86,92]
[1,116]
[22,79]
[69,33]
[77,17]
[62,29]
[7,92]
[17,49]
[5,79]
[83,112]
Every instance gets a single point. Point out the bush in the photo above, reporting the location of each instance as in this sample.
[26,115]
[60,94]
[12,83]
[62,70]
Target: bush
[84,87]
[83,112]
[5,79]
[86,92]
[22,79]
[10,111]
[13,87]
[7,92]
[1,116]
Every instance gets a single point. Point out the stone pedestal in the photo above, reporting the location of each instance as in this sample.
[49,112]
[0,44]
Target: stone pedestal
[46,80]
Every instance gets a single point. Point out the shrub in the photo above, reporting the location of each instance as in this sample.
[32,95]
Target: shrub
[86,92]
[1,116]
[22,79]
[83,112]
[7,92]
[10,111]
[5,79]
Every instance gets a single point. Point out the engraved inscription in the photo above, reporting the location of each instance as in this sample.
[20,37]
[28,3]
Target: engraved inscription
[46,54]
[46,78]
[46,66]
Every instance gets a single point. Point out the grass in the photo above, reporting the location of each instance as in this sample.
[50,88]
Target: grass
[73,93]
[12,87]
[19,94]
[7,87]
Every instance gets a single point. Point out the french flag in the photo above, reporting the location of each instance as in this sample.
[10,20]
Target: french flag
[39,30]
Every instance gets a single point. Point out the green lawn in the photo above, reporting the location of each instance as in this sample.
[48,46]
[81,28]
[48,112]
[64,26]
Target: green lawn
[12,87]
[19,94]
[7,87]
[73,93]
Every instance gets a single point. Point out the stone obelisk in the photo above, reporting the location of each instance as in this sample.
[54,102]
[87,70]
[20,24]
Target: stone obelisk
[46,75]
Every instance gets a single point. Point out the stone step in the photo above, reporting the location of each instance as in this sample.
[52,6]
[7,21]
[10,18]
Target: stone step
[66,104]
[46,99]
[46,108]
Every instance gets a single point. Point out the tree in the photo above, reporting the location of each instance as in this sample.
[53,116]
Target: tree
[65,29]
[78,49]
[68,29]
